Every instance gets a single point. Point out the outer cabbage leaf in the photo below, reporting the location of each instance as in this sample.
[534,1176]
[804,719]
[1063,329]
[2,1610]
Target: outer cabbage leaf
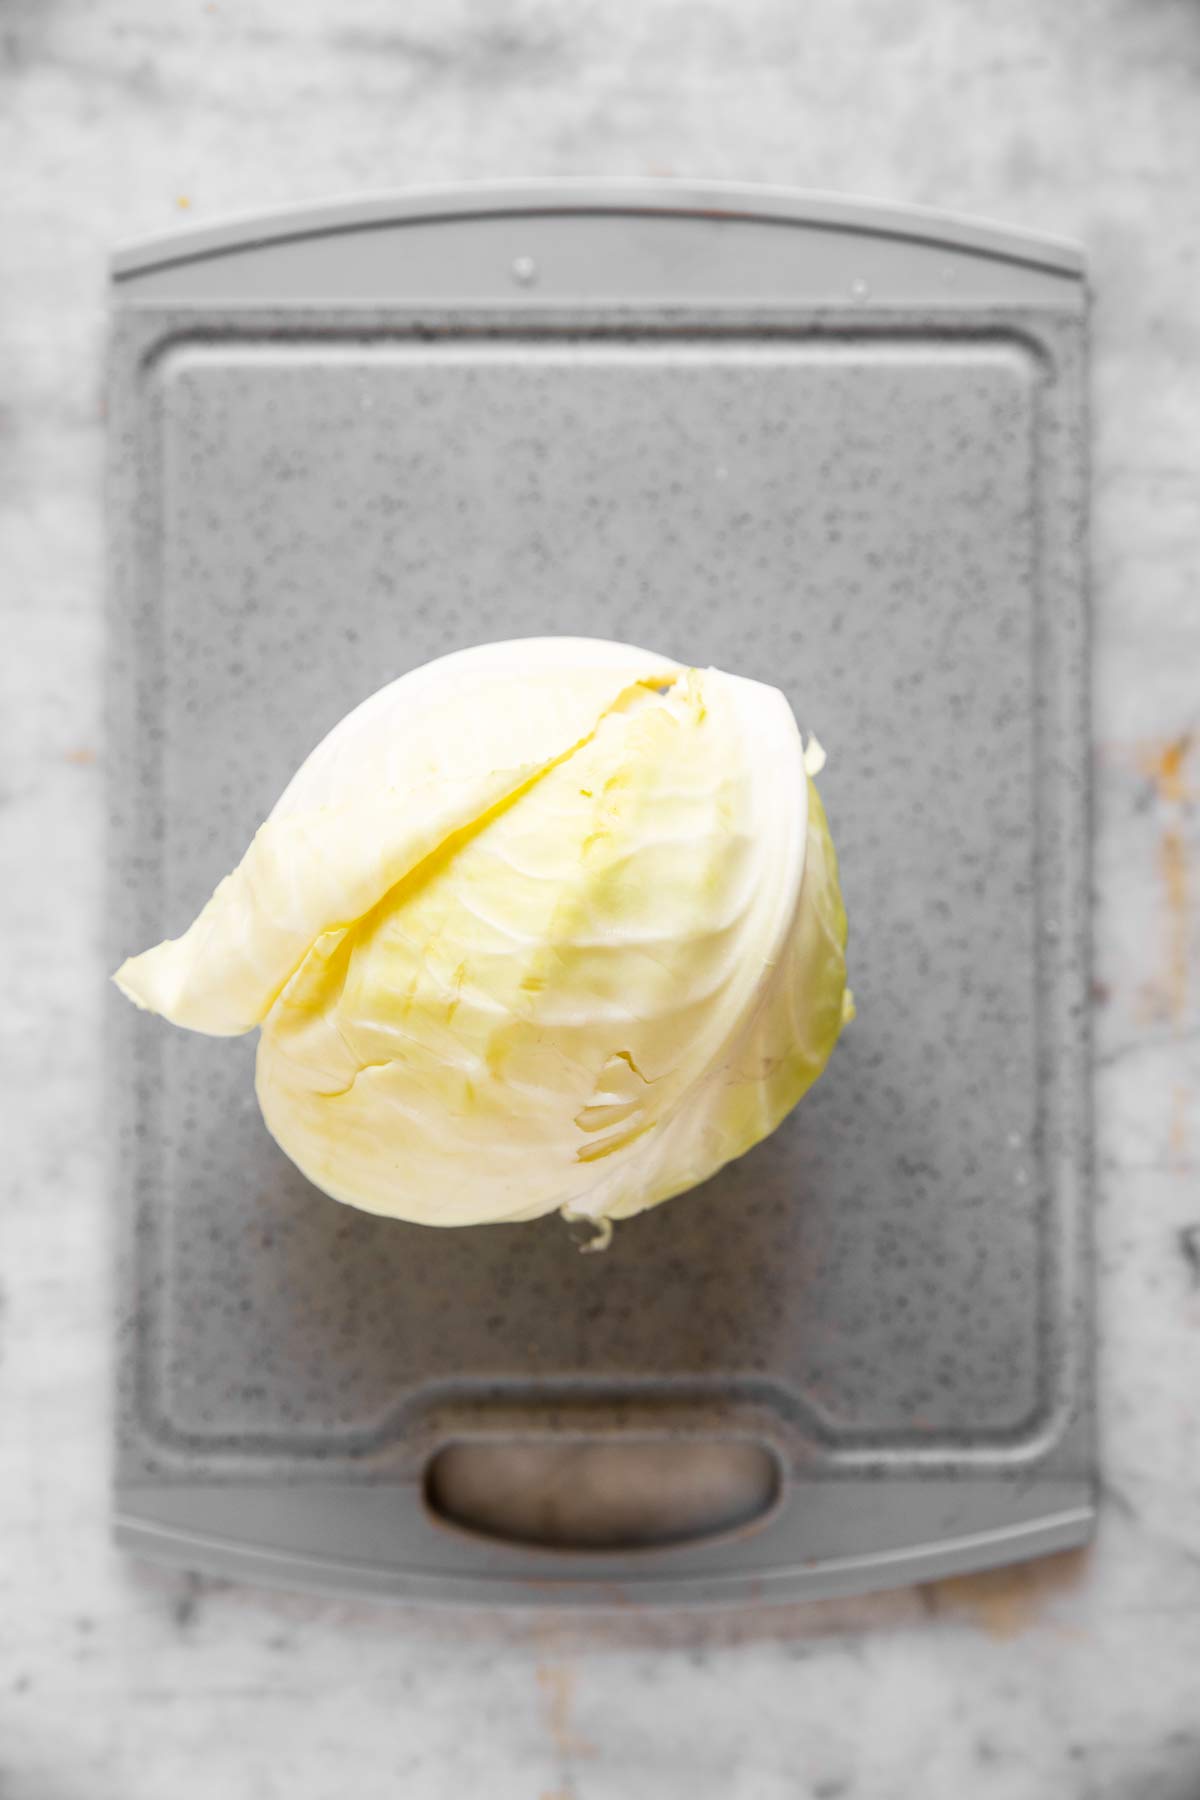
[552,924]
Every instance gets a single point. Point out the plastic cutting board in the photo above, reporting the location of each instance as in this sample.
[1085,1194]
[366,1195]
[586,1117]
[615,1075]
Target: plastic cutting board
[834,447]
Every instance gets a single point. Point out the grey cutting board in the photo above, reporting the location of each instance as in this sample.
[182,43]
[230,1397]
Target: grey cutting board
[830,446]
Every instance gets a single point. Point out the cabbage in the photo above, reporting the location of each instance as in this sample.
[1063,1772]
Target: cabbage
[551,924]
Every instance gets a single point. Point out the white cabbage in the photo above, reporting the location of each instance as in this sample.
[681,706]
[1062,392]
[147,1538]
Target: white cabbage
[545,924]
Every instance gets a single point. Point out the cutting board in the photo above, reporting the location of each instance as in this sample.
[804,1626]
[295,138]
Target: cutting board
[834,447]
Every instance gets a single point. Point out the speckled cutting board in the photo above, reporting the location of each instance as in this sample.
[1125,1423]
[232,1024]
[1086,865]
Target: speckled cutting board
[832,447]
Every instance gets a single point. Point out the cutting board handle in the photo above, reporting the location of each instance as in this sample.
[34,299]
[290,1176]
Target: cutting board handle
[577,1482]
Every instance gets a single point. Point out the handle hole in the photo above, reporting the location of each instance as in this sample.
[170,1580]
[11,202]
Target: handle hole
[600,1493]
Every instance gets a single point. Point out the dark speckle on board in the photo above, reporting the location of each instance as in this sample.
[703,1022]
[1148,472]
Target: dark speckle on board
[1188,1240]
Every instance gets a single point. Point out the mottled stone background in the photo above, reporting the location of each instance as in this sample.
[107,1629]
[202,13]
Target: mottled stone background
[1080,1676]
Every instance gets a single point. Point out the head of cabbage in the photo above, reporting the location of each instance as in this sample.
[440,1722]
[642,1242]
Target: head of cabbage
[549,924]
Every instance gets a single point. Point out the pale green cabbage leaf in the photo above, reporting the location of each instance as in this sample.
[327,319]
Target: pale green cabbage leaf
[552,924]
